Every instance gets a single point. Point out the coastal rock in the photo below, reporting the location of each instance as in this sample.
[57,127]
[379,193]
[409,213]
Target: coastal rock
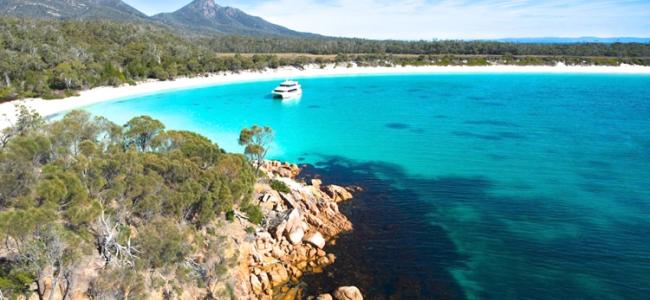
[348,293]
[337,193]
[264,279]
[278,274]
[316,239]
[277,252]
[316,183]
[293,220]
[324,297]
[300,222]
[256,285]
[295,236]
[279,230]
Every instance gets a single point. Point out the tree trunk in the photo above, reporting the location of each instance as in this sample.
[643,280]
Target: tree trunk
[55,284]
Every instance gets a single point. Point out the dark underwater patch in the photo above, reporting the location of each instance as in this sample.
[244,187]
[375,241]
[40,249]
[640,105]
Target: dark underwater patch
[497,136]
[415,90]
[394,252]
[476,135]
[497,156]
[511,135]
[598,164]
[441,117]
[490,103]
[417,130]
[593,188]
[313,106]
[397,125]
[492,123]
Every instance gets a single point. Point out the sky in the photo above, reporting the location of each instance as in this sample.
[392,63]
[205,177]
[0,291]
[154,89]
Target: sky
[443,19]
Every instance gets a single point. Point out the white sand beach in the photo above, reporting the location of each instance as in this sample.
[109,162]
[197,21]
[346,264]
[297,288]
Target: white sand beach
[52,107]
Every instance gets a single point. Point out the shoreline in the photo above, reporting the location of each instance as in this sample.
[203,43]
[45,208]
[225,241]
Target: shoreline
[48,108]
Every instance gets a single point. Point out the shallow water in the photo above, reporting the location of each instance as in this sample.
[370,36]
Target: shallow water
[489,186]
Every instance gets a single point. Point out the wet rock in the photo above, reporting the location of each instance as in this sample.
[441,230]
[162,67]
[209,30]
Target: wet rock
[324,297]
[323,261]
[316,183]
[348,293]
[337,193]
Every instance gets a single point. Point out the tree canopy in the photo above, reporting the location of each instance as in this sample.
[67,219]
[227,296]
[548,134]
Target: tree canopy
[257,141]
[136,193]
[53,59]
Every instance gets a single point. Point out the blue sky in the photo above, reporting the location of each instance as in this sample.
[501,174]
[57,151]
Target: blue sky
[443,19]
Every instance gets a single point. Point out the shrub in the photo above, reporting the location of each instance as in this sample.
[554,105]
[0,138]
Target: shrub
[253,212]
[279,186]
[230,215]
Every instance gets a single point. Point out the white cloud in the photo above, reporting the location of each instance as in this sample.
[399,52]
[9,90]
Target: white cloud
[427,19]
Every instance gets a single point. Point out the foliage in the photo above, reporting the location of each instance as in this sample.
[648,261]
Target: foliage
[257,141]
[254,213]
[279,186]
[136,193]
[53,58]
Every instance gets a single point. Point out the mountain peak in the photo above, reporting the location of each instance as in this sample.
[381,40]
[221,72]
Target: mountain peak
[207,16]
[207,8]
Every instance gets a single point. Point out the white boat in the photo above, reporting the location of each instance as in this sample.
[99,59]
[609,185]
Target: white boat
[287,90]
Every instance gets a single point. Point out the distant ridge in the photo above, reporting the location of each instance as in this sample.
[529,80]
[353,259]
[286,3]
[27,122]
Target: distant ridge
[72,9]
[200,17]
[564,40]
[207,16]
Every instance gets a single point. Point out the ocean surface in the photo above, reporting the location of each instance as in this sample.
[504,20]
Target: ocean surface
[484,186]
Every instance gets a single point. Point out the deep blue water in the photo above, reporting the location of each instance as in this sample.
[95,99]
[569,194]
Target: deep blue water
[488,186]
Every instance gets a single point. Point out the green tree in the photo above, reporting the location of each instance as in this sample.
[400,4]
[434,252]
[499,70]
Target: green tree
[257,141]
[140,131]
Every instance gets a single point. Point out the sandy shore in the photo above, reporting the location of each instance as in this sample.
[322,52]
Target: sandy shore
[101,94]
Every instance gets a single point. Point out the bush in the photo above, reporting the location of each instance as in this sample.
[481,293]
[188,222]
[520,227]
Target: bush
[230,215]
[162,243]
[253,212]
[279,186]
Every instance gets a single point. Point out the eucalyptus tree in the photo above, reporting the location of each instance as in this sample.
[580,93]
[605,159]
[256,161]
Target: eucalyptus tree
[257,141]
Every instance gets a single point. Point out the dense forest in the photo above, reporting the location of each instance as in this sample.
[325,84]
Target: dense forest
[53,59]
[137,194]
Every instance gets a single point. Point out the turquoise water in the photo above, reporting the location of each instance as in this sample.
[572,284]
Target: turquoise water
[487,186]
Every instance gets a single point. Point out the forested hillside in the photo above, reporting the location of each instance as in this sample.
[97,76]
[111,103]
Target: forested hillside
[52,59]
[149,201]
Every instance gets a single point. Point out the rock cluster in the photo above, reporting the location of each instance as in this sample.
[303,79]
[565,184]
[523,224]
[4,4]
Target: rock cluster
[298,224]
[342,293]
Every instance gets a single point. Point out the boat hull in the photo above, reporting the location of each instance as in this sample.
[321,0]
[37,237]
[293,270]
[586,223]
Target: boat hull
[285,96]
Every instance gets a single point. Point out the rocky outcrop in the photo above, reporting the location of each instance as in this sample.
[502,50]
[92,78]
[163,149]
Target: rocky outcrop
[337,193]
[281,169]
[348,293]
[293,238]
